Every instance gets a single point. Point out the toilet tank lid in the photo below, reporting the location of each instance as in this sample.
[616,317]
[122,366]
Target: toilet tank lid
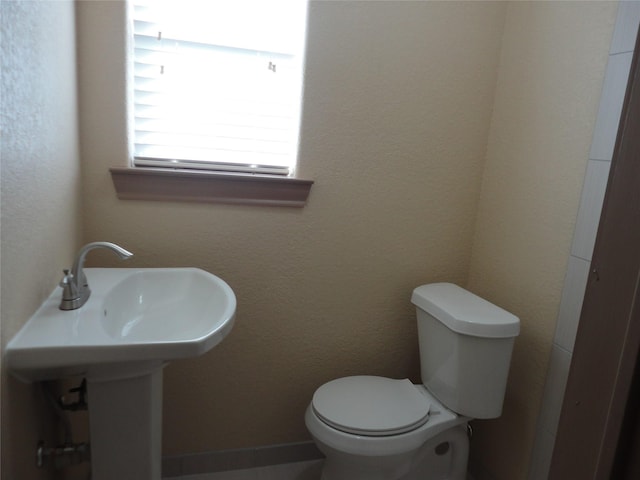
[463,312]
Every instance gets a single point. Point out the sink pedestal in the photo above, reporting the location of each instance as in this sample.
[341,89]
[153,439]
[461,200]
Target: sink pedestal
[125,421]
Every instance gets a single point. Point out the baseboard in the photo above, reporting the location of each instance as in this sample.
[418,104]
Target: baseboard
[223,460]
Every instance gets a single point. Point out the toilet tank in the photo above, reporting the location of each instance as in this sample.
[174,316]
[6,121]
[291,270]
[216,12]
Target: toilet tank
[465,348]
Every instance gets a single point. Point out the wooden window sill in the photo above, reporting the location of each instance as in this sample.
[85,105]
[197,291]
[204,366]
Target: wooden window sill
[201,186]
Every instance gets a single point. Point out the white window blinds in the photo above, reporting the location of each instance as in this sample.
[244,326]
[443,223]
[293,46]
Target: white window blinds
[218,83]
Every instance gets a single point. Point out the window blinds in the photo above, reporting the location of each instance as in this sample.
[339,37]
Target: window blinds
[217,84]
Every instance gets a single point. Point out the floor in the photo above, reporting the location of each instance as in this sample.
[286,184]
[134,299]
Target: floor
[309,470]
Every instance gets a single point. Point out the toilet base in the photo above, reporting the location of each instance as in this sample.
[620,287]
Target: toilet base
[443,457]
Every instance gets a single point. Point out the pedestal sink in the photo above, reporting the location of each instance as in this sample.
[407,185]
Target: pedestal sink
[134,323]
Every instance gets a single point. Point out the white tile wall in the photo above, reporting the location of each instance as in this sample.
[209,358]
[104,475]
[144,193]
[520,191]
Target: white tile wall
[612,97]
[554,389]
[571,302]
[624,35]
[595,184]
[604,137]
[542,450]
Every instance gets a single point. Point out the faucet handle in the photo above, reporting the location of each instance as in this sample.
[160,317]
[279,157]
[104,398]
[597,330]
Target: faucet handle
[66,280]
[69,289]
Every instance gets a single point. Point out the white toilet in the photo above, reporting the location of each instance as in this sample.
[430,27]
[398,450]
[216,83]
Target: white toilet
[375,428]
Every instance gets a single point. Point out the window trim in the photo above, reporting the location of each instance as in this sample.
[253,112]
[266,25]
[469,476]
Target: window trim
[162,184]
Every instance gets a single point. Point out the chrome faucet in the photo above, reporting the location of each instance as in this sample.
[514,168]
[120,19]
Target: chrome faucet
[75,289]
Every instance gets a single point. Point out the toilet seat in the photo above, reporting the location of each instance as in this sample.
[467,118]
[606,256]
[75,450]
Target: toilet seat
[371,406]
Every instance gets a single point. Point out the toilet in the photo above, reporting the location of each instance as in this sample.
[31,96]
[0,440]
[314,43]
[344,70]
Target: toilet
[376,428]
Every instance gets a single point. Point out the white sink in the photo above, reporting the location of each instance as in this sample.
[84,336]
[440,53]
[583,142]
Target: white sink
[135,321]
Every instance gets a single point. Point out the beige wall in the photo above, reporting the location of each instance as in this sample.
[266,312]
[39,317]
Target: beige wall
[40,195]
[397,108]
[551,70]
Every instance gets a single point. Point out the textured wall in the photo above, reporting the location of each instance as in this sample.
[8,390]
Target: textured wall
[397,107]
[40,194]
[551,71]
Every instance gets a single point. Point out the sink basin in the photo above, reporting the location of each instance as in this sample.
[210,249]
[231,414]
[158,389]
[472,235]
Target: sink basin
[134,321]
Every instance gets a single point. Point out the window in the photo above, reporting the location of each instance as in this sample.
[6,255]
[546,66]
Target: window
[217,83]
[216,88]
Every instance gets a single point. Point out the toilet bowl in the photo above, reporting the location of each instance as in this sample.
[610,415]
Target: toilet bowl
[377,428]
[388,437]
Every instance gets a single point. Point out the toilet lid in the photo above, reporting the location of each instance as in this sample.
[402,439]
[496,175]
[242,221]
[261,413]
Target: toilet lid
[371,406]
